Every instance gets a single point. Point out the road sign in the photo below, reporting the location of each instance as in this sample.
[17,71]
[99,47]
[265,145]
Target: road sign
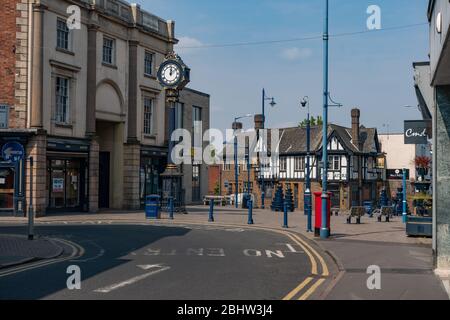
[13,151]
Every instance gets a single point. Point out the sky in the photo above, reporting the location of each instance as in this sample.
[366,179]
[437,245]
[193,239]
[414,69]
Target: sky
[371,71]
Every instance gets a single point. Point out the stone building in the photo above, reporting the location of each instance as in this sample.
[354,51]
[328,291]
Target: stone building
[85,102]
[433,88]
[354,171]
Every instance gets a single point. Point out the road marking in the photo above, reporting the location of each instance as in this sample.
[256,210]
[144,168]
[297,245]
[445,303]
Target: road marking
[311,290]
[300,287]
[134,279]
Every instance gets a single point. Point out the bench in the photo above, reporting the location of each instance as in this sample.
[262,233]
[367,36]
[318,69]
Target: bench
[386,212]
[218,200]
[356,212]
[335,211]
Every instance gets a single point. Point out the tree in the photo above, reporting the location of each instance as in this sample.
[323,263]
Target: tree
[313,122]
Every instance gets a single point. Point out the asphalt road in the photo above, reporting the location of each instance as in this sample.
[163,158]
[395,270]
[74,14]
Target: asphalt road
[159,262]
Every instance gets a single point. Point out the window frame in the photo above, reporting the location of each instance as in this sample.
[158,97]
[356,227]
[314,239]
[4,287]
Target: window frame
[66,119]
[113,51]
[148,121]
[152,63]
[60,21]
[299,164]
[283,163]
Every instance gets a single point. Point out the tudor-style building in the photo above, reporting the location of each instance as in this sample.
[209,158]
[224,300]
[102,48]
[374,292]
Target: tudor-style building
[355,172]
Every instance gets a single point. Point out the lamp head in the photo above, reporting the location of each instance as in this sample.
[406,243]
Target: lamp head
[273,103]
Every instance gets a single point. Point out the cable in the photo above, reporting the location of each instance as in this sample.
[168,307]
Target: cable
[346,34]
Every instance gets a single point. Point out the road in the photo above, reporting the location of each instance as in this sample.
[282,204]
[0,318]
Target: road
[165,262]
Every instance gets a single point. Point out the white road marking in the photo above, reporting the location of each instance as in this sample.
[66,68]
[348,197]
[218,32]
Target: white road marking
[134,279]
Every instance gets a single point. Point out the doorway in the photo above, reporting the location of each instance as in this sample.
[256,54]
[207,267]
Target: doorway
[104,172]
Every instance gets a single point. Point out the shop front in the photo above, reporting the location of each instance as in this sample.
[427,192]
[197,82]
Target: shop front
[153,164]
[12,175]
[67,175]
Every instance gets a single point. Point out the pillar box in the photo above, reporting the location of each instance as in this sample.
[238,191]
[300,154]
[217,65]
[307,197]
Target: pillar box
[318,212]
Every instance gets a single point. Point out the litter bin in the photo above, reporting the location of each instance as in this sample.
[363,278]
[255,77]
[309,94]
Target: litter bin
[318,212]
[152,208]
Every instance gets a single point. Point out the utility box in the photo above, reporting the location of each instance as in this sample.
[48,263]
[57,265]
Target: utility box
[152,207]
[318,212]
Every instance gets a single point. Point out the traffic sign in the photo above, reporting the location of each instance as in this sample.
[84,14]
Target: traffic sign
[13,151]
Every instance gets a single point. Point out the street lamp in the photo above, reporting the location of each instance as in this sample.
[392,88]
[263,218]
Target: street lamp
[307,191]
[236,173]
[272,104]
[325,230]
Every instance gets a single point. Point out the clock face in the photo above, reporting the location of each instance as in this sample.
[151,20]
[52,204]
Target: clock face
[171,74]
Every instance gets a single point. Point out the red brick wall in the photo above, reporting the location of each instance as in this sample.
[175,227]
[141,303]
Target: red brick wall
[213,178]
[13,59]
[7,51]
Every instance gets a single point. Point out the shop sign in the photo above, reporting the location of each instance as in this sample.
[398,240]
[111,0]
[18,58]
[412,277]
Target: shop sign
[416,132]
[58,185]
[13,151]
[396,174]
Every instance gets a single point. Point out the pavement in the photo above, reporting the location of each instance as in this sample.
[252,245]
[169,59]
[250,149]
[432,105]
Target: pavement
[405,263]
[17,250]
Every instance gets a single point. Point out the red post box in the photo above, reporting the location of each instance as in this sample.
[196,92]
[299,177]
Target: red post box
[318,212]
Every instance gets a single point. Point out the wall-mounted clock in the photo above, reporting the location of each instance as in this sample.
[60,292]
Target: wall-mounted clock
[173,73]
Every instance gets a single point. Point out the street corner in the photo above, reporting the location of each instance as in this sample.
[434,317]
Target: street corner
[18,253]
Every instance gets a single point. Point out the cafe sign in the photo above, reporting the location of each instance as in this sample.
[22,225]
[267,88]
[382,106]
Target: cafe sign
[416,132]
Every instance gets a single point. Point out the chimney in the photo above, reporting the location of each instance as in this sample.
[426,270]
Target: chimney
[356,113]
[259,122]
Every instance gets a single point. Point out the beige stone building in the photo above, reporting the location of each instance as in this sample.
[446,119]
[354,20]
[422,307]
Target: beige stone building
[88,108]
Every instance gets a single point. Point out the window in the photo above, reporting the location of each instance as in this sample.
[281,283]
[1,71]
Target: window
[108,50]
[299,164]
[179,110]
[283,164]
[62,32]
[334,163]
[148,63]
[148,116]
[62,100]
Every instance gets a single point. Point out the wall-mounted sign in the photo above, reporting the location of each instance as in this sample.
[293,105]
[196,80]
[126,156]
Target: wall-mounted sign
[4,116]
[416,132]
[13,151]
[396,174]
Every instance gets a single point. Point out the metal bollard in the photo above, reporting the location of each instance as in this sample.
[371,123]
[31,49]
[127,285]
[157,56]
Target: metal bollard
[171,208]
[211,211]
[250,211]
[263,197]
[285,223]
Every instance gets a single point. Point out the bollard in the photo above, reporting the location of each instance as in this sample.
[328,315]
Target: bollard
[285,224]
[250,211]
[211,211]
[263,197]
[171,208]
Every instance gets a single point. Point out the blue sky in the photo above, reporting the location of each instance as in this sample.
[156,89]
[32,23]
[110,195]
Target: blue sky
[372,71]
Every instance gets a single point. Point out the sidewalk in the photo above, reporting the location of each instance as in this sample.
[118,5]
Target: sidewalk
[406,263]
[16,250]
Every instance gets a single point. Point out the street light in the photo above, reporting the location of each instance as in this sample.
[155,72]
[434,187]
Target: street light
[236,173]
[272,104]
[325,230]
[307,191]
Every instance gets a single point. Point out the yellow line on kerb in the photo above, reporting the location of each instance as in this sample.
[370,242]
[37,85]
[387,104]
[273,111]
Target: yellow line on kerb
[325,271]
[298,289]
[311,289]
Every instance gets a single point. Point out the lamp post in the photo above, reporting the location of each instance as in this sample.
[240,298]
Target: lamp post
[272,104]
[237,126]
[405,208]
[325,230]
[307,193]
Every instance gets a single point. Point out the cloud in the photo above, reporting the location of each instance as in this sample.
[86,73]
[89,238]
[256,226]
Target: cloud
[187,45]
[293,54]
